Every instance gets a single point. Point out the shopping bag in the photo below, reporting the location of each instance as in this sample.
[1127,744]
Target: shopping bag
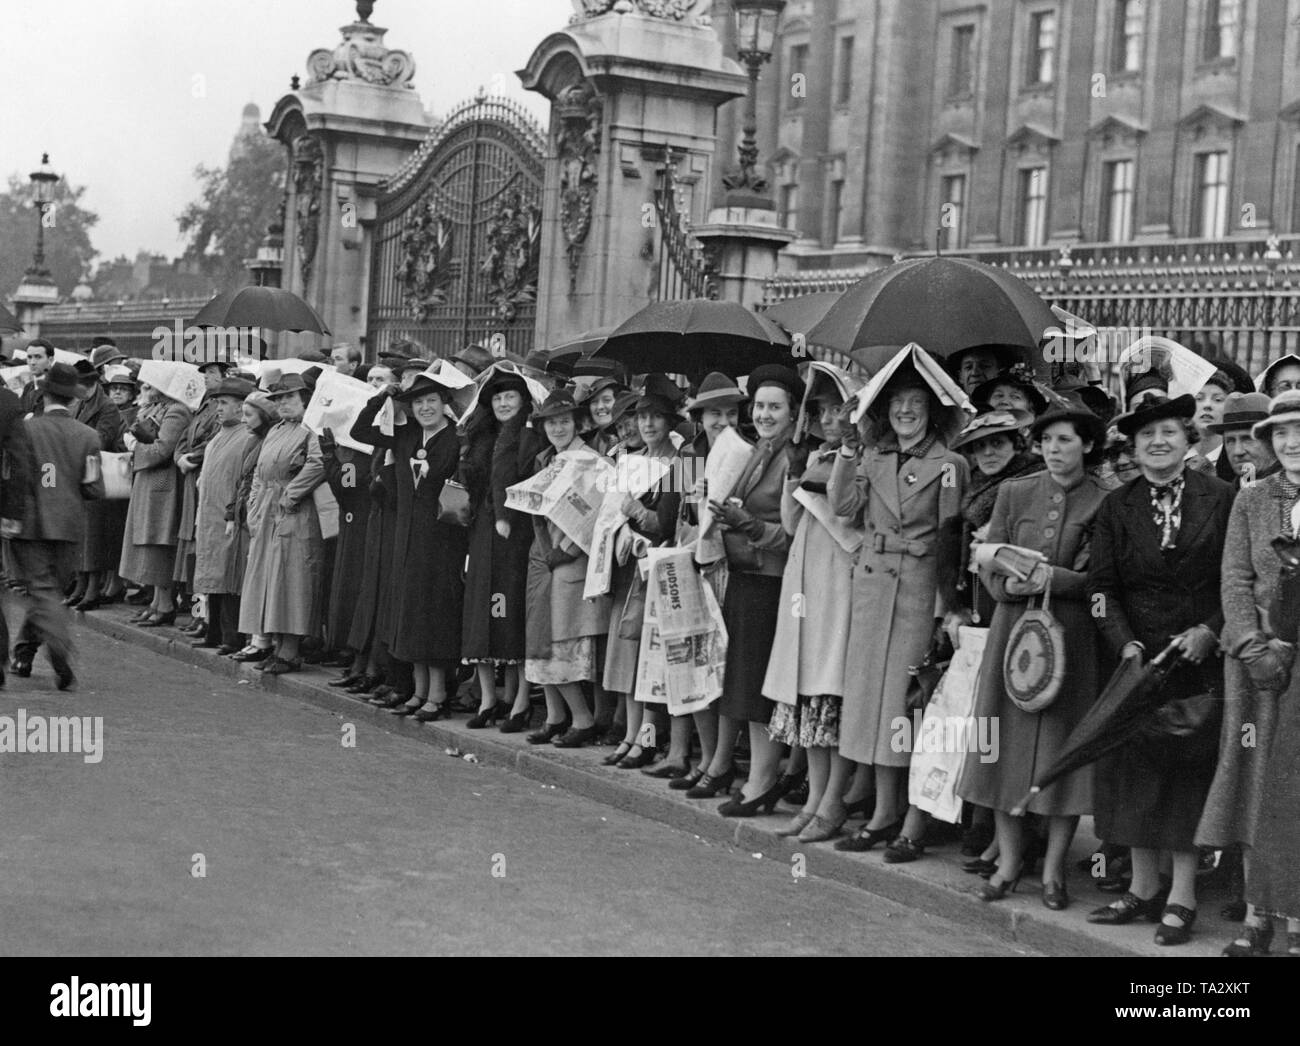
[944,734]
[116,468]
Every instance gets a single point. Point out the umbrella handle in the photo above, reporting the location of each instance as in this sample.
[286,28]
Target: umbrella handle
[1019,809]
[1159,659]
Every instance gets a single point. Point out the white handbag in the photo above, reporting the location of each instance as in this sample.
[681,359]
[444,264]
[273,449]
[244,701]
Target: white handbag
[116,467]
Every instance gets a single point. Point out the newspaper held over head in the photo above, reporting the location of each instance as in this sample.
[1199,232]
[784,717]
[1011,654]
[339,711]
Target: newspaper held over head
[335,404]
[727,460]
[180,381]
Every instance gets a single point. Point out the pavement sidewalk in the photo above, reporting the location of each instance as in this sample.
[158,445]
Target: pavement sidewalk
[935,884]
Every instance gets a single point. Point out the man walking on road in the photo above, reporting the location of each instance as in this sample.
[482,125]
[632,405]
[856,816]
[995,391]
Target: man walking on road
[45,553]
[15,486]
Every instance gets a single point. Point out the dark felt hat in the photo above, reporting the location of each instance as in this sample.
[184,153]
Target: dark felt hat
[103,355]
[475,357]
[423,384]
[558,403]
[626,401]
[1156,409]
[288,383]
[502,381]
[775,373]
[716,390]
[85,371]
[237,387]
[62,379]
[1017,378]
[1241,410]
[1071,408]
[660,395]
[993,423]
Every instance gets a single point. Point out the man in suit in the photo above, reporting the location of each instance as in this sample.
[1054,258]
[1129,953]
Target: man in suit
[65,456]
[1244,459]
[15,484]
[40,354]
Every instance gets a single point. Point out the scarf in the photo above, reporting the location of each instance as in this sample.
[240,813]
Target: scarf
[1289,497]
[1167,508]
[977,503]
[889,445]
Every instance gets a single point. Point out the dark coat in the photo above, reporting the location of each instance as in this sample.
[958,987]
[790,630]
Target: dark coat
[15,458]
[102,546]
[378,553]
[1150,793]
[497,457]
[60,447]
[428,591]
[155,485]
[347,471]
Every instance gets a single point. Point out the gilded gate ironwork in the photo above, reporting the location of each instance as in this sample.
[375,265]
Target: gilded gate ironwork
[458,235]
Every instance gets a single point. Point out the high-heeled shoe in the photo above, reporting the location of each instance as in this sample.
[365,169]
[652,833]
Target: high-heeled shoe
[635,762]
[979,866]
[1170,935]
[1129,907]
[251,654]
[800,821]
[861,808]
[1255,940]
[430,715]
[709,786]
[667,771]
[517,724]
[279,666]
[157,620]
[820,829]
[996,889]
[548,733]
[366,685]
[613,758]
[406,708]
[488,716]
[91,603]
[346,682]
[395,699]
[903,851]
[685,784]
[1055,896]
[738,807]
[75,597]
[576,737]
[139,616]
[869,837]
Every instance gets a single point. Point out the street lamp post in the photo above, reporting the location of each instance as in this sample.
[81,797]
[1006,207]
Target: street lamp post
[43,181]
[755,23]
[37,288]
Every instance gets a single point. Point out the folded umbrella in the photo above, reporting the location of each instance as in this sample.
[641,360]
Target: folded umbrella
[696,336]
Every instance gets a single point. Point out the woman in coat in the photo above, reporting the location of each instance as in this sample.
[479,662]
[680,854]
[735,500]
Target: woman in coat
[757,544]
[427,587]
[501,451]
[805,673]
[189,459]
[1255,798]
[1154,574]
[562,627]
[120,387]
[258,415]
[908,489]
[282,580]
[101,544]
[149,542]
[1051,513]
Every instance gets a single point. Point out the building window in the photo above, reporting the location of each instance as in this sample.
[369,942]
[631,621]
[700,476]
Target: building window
[1042,48]
[844,79]
[834,212]
[790,207]
[797,81]
[1130,18]
[1032,227]
[1210,206]
[952,210]
[961,69]
[1220,32]
[1118,191]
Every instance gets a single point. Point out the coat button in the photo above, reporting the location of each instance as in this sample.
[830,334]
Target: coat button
[1057,498]
[1054,514]
[1049,532]
[347,518]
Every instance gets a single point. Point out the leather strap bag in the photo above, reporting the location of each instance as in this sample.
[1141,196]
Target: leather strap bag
[1033,665]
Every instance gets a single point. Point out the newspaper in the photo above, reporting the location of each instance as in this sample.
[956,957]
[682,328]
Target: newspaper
[847,537]
[680,595]
[634,475]
[685,674]
[180,381]
[727,460]
[335,404]
[568,491]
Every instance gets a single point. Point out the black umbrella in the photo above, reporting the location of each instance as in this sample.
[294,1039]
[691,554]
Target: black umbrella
[800,315]
[8,321]
[1133,690]
[944,305]
[696,336]
[267,307]
[561,359]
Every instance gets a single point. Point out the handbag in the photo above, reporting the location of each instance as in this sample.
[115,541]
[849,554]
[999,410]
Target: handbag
[925,677]
[327,511]
[454,508]
[1033,665]
[633,615]
[115,466]
[741,553]
[1185,731]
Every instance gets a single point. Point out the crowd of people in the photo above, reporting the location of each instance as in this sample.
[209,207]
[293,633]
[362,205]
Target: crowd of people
[1161,524]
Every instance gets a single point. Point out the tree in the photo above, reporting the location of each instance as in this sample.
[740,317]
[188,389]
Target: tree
[68,250]
[226,225]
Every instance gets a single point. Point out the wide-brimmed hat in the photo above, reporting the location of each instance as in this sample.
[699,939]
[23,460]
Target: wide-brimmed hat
[62,379]
[1229,377]
[1284,408]
[287,384]
[423,384]
[1016,377]
[775,373]
[605,381]
[502,381]
[1289,360]
[993,423]
[716,390]
[104,355]
[476,357]
[114,375]
[85,371]
[1094,397]
[236,387]
[1241,410]
[558,403]
[1158,409]
[660,395]
[626,401]
[1090,427]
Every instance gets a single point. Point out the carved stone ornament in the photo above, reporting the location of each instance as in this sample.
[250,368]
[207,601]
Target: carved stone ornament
[514,242]
[691,12]
[362,55]
[578,144]
[308,179]
[425,271]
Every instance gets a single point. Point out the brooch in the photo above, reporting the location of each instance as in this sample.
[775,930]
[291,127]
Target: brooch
[421,453]
[910,478]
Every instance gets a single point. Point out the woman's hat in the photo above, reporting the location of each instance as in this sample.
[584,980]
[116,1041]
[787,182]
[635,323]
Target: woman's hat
[716,390]
[62,380]
[287,384]
[1017,378]
[105,354]
[236,387]
[1094,397]
[1285,407]
[425,383]
[1289,360]
[1241,410]
[114,375]
[263,403]
[503,381]
[1006,355]
[775,373]
[558,403]
[660,396]
[626,401]
[1090,427]
[606,381]
[85,370]
[1156,409]
[475,357]
[1229,376]
[993,423]
[1144,382]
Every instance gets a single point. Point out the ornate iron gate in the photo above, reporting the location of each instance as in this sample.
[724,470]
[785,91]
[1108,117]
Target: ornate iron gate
[458,235]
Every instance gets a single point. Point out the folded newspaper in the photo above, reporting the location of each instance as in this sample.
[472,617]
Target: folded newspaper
[727,460]
[569,492]
[634,475]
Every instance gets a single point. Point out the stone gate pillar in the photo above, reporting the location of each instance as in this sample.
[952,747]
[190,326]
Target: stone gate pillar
[627,80]
[352,126]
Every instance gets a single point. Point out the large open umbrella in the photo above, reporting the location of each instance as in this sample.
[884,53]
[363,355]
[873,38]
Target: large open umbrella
[1133,690]
[268,307]
[561,358]
[696,336]
[943,304]
[8,321]
[800,315]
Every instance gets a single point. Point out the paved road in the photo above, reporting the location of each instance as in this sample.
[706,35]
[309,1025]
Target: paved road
[388,847]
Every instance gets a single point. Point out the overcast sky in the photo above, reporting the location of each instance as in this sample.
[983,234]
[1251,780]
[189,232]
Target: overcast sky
[128,96]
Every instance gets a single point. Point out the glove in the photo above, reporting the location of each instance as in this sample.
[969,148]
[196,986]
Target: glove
[145,431]
[850,434]
[557,557]
[736,517]
[1267,661]
[286,504]
[798,460]
[1197,643]
[326,441]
